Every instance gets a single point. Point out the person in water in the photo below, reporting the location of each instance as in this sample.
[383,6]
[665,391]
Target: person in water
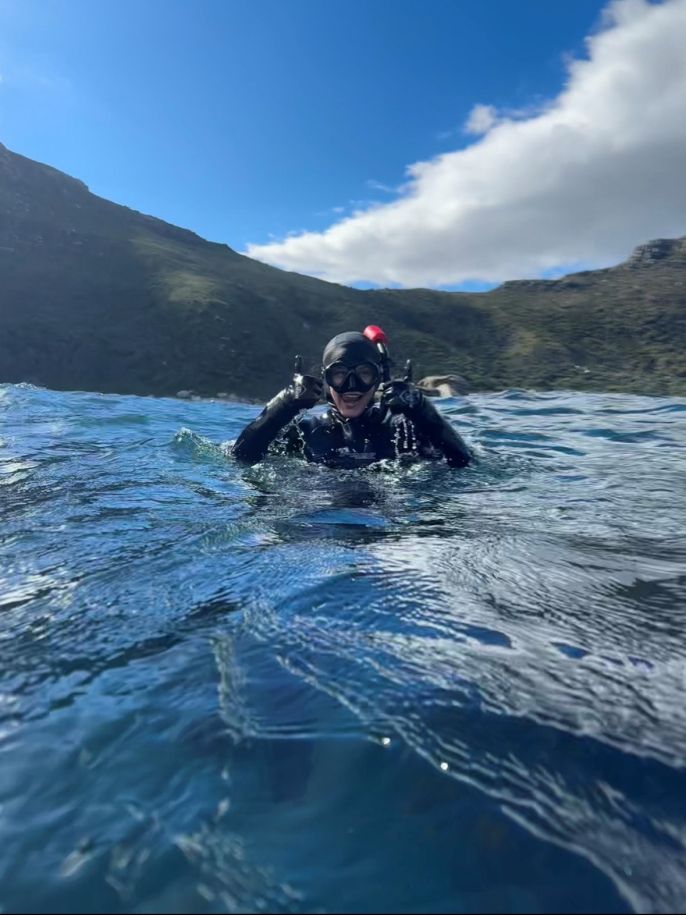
[359,428]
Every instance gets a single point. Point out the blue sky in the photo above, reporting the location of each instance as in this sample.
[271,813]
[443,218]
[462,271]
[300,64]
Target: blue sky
[247,120]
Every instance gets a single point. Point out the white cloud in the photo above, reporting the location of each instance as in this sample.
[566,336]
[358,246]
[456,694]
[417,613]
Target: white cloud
[579,182]
[380,186]
[481,119]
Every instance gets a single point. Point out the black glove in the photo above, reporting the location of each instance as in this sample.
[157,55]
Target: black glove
[307,389]
[401,396]
[405,397]
[303,392]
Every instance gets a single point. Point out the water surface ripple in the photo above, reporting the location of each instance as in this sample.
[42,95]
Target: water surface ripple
[287,688]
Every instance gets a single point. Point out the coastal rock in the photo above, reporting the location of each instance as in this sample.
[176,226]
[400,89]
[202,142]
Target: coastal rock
[653,251]
[444,385]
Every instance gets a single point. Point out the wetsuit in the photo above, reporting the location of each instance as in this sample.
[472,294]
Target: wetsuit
[420,433]
[403,424]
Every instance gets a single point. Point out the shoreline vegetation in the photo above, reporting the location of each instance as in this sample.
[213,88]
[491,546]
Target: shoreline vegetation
[98,297]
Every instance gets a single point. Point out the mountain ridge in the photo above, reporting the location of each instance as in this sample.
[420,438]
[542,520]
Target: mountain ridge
[98,296]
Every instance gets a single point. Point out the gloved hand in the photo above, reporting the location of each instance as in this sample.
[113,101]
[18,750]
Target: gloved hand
[400,396]
[307,389]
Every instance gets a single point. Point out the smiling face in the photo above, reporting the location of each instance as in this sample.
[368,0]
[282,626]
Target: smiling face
[352,371]
[352,404]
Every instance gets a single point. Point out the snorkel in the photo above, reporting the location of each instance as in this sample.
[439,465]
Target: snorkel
[380,341]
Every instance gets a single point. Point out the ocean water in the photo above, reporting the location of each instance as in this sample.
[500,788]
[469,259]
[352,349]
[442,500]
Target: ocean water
[287,688]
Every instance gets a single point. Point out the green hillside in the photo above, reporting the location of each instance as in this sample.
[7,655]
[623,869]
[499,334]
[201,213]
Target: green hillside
[96,296]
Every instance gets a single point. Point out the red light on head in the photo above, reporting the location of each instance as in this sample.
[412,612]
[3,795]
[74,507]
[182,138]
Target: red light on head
[375,334]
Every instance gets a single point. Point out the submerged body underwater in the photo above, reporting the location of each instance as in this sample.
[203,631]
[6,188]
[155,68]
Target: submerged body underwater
[290,688]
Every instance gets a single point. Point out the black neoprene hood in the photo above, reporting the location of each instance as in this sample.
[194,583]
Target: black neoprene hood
[351,349]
